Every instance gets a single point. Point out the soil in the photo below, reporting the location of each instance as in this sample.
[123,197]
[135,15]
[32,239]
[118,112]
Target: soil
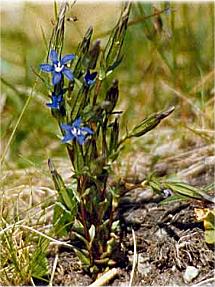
[168,237]
[168,240]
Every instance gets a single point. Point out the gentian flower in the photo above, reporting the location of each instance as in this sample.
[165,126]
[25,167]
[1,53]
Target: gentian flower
[56,101]
[90,79]
[58,67]
[76,132]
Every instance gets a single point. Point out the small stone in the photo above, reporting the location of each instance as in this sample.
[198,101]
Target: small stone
[161,233]
[190,273]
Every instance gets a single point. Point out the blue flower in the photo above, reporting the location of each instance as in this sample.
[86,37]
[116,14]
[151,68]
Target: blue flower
[90,79]
[76,132]
[56,101]
[58,67]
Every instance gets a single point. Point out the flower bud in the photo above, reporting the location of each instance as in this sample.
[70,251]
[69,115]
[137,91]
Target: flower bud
[112,96]
[93,55]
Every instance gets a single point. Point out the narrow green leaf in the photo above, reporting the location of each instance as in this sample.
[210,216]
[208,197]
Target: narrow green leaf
[62,219]
[81,238]
[55,10]
[44,38]
[39,261]
[147,124]
[173,198]
[112,52]
[85,260]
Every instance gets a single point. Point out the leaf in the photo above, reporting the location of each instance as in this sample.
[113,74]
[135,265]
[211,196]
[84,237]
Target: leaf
[185,189]
[150,122]
[66,194]
[85,260]
[210,236]
[115,225]
[44,37]
[69,198]
[78,227]
[209,220]
[57,37]
[102,207]
[65,208]
[112,96]
[62,219]
[92,232]
[55,10]
[82,52]
[147,124]
[181,190]
[114,65]
[82,238]
[112,53]
[39,262]
[207,215]
[93,55]
[58,181]
[143,10]
[173,198]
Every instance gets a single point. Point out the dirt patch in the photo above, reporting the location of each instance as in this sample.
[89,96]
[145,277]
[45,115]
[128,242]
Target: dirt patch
[168,240]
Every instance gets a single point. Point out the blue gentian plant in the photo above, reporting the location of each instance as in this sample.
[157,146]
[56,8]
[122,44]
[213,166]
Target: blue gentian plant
[58,67]
[83,103]
[76,132]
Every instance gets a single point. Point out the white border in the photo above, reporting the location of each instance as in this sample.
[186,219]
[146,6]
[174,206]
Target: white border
[8,2]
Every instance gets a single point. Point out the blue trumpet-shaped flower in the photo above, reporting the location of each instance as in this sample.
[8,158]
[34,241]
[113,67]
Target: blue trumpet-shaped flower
[89,78]
[58,68]
[56,101]
[76,132]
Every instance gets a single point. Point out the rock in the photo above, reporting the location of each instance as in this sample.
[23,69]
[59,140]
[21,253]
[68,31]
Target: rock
[167,149]
[190,273]
[143,267]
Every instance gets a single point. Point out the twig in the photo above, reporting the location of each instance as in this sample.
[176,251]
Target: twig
[136,21]
[32,282]
[179,94]
[207,78]
[134,259]
[53,269]
[203,283]
[106,277]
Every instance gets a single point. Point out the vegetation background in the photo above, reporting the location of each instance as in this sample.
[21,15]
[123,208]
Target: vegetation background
[170,63]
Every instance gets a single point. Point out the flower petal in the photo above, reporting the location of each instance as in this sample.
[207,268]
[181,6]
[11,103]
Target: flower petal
[56,100]
[46,68]
[90,82]
[90,78]
[68,73]
[56,78]
[54,56]
[93,75]
[67,59]
[66,127]
[53,105]
[81,139]
[77,123]
[68,137]
[87,130]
